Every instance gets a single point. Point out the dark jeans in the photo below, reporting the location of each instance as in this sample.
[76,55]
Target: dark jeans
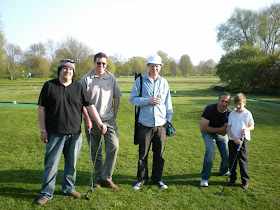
[156,136]
[242,158]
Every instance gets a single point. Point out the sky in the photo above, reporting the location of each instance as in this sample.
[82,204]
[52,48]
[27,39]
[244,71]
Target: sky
[125,28]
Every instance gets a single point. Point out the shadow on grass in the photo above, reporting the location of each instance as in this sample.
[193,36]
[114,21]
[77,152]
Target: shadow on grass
[13,181]
[83,177]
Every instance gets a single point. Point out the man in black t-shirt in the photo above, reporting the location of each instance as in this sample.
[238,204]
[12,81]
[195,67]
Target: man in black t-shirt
[60,108]
[213,129]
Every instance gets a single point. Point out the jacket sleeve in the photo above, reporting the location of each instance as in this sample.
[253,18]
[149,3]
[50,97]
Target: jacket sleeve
[135,99]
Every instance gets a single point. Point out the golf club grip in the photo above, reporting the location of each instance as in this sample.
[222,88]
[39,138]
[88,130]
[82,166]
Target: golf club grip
[240,145]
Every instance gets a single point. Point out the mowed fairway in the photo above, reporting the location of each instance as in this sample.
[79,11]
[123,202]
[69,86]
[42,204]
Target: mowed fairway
[22,155]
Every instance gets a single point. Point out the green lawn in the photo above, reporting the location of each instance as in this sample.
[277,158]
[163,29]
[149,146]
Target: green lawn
[22,156]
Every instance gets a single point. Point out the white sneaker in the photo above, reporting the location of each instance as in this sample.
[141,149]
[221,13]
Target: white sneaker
[203,183]
[162,185]
[138,185]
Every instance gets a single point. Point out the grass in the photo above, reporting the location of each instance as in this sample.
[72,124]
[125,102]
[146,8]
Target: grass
[22,156]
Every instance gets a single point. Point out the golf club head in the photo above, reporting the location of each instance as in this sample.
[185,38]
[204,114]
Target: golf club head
[218,193]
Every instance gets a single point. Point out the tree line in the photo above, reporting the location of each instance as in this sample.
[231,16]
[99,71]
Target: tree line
[41,59]
[250,39]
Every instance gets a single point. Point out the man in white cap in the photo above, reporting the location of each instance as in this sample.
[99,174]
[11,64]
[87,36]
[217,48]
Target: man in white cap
[60,108]
[155,113]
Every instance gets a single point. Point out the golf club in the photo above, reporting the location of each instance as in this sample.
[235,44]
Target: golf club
[92,166]
[238,148]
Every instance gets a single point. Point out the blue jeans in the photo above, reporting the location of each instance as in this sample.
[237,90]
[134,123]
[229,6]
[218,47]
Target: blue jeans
[209,157]
[70,146]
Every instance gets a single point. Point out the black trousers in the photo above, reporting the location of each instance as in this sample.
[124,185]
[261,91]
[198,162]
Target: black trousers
[157,137]
[243,160]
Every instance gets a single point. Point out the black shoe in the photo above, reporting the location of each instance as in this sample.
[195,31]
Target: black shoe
[231,183]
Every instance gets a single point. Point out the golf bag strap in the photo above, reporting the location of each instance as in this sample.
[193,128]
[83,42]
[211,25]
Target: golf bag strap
[137,114]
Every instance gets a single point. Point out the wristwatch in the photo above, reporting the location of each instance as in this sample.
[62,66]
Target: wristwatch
[42,131]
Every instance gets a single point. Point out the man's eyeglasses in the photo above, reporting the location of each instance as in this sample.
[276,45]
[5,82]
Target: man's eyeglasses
[67,61]
[99,63]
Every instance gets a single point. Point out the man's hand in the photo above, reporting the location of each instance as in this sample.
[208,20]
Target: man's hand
[204,127]
[223,130]
[103,128]
[44,137]
[89,125]
[154,101]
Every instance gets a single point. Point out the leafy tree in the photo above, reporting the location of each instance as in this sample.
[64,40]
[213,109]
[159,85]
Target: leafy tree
[84,67]
[238,68]
[165,70]
[138,65]
[185,66]
[111,66]
[127,68]
[117,60]
[268,74]
[38,66]
[13,59]
[119,69]
[275,73]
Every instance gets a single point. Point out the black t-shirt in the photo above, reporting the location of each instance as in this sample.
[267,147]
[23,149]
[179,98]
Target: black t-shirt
[216,118]
[64,106]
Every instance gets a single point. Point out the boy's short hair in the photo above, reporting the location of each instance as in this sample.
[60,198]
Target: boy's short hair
[239,98]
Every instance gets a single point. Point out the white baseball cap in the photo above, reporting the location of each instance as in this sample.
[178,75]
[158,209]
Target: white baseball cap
[155,59]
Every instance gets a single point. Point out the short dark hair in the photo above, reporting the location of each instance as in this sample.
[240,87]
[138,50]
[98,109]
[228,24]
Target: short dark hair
[100,55]
[224,94]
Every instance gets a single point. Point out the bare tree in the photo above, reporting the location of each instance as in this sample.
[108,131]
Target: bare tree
[174,70]
[269,28]
[250,28]
[51,48]
[2,52]
[238,30]
[79,52]
[13,59]
[38,49]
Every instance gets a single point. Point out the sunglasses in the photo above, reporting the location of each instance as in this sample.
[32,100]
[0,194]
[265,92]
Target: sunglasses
[67,61]
[99,63]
